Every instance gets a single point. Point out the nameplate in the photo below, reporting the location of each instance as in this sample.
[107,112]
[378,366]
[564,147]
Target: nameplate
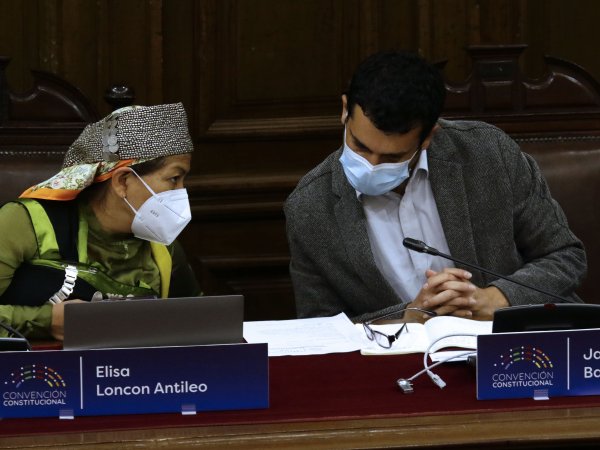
[538,365]
[186,380]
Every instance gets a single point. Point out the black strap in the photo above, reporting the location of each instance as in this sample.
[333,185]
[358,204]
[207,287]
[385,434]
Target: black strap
[33,285]
[64,217]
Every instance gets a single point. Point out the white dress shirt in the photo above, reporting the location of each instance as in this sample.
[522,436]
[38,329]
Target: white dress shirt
[392,217]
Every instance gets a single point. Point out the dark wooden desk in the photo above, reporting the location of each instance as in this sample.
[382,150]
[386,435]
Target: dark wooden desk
[338,401]
[564,428]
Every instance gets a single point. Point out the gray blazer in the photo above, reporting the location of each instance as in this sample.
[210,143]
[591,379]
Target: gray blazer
[495,208]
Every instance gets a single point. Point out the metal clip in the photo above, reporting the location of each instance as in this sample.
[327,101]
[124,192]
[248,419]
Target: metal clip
[110,142]
[405,385]
[68,285]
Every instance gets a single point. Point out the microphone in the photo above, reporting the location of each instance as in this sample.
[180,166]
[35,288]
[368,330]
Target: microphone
[421,247]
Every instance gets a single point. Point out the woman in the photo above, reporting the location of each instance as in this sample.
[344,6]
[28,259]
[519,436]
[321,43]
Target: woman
[104,226]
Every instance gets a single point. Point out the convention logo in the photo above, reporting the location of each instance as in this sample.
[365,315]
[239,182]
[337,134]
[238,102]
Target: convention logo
[523,366]
[34,385]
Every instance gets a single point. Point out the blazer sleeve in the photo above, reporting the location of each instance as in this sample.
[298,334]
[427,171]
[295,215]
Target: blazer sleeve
[553,257]
[321,286]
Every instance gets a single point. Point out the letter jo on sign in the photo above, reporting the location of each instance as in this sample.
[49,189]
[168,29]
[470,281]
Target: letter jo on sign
[544,364]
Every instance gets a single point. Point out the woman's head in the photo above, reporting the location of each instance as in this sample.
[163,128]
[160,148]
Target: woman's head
[131,166]
[148,199]
[127,137]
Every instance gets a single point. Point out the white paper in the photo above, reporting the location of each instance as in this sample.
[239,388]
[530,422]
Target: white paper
[314,336]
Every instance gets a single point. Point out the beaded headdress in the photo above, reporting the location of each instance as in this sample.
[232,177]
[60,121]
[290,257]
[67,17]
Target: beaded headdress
[133,132]
[127,136]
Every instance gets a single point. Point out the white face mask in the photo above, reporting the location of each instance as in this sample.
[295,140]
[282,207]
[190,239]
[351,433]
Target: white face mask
[162,217]
[369,179]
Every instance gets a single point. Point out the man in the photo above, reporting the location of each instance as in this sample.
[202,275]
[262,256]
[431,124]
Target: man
[462,187]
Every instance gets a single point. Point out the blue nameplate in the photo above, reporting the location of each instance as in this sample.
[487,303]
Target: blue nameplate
[75,383]
[539,364]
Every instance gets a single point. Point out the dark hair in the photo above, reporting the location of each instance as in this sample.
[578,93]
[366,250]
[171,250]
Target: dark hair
[99,189]
[149,166]
[397,91]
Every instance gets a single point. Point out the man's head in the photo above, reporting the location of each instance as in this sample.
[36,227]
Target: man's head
[389,113]
[398,92]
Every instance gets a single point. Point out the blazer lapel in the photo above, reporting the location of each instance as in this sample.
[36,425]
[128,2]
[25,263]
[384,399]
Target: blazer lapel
[352,223]
[447,184]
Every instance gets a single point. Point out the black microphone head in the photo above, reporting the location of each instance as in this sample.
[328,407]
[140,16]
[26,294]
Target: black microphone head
[418,246]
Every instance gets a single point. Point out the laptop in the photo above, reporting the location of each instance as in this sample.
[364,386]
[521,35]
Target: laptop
[154,322]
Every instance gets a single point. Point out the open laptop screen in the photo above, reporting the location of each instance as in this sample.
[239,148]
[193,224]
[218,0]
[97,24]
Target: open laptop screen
[154,322]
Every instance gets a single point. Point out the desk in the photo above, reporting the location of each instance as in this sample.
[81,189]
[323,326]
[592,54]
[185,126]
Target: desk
[338,401]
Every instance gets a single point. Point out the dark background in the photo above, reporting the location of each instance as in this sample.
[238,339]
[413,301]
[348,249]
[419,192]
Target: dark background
[261,81]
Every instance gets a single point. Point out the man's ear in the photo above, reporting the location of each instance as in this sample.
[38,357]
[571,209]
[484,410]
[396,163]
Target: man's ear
[344,109]
[429,137]
[119,181]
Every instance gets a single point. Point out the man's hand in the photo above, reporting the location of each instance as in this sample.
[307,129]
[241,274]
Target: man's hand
[487,301]
[447,292]
[451,293]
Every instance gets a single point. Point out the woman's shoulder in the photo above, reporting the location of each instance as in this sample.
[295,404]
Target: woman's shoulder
[13,212]
[17,236]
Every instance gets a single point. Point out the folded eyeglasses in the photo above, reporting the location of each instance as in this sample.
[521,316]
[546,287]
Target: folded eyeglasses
[382,339]
[387,340]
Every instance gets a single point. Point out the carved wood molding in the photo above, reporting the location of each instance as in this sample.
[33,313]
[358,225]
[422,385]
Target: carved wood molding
[51,99]
[229,262]
[496,91]
[273,127]
[239,195]
[263,281]
[567,99]
[43,121]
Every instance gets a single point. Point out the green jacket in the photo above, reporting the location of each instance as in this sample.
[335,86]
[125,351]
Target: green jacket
[114,265]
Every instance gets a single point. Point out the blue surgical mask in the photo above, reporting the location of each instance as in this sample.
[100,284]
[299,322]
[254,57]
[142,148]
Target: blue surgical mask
[369,179]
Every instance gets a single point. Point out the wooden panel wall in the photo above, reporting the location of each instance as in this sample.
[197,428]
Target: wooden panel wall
[261,80]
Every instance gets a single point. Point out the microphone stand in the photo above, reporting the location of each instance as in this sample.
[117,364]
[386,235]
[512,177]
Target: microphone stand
[421,247]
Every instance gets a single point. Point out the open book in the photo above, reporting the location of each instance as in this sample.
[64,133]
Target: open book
[417,337]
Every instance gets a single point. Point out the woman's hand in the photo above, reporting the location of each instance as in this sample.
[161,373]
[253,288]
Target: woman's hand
[57,328]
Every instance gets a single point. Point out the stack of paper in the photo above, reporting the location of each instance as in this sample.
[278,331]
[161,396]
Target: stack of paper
[316,336]
[338,334]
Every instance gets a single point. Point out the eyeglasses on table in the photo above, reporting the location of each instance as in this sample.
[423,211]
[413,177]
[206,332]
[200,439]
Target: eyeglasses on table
[387,340]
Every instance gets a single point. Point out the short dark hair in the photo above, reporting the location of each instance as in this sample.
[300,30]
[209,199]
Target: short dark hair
[397,91]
